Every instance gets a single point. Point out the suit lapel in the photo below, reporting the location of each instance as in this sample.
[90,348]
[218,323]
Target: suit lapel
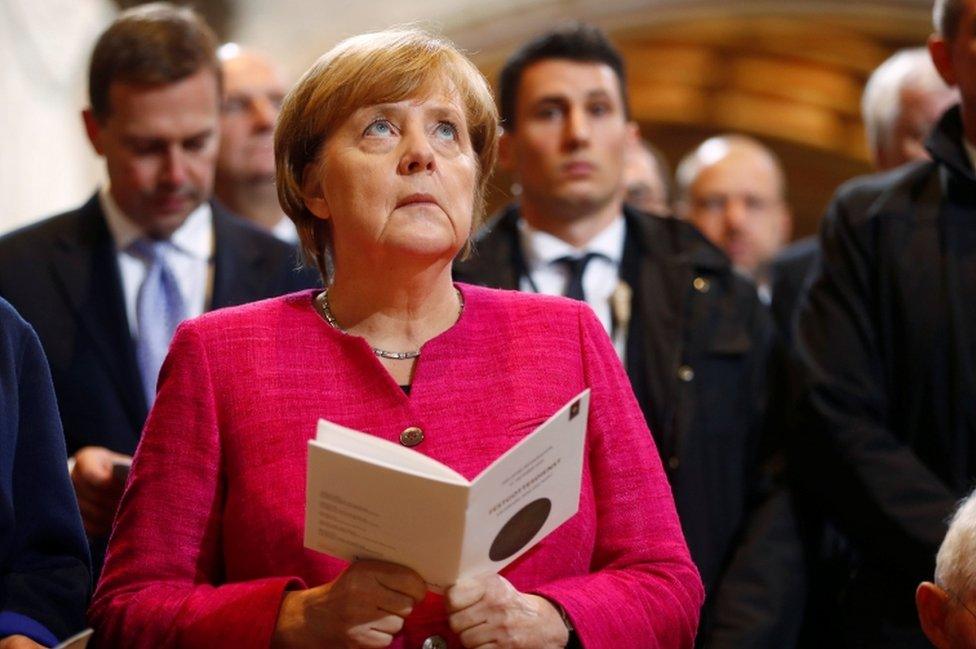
[659,302]
[85,267]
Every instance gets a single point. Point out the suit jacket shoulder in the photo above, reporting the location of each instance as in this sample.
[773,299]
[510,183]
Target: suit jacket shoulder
[27,247]
[676,241]
[867,198]
[250,264]
[495,256]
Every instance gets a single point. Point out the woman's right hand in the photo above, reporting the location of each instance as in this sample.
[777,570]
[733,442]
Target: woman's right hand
[363,608]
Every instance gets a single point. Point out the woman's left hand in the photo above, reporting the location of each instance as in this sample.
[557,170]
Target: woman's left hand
[489,611]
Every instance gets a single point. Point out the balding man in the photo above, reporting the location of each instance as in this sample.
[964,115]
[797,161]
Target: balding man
[245,178]
[732,188]
[947,608]
[902,100]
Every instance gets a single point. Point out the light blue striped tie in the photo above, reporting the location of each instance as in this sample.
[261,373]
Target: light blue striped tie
[159,309]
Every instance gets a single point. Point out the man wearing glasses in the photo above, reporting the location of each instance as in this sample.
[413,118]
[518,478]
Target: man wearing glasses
[733,190]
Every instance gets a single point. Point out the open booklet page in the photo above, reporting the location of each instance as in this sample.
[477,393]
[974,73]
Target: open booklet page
[369,498]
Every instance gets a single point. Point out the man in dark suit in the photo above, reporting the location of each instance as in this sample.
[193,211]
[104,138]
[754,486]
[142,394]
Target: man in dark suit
[695,339]
[887,340]
[104,285]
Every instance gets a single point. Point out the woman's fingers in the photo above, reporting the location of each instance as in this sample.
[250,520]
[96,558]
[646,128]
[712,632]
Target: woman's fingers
[465,593]
[399,579]
[395,603]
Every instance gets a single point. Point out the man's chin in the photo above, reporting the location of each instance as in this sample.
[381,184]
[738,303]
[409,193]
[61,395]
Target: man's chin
[584,202]
[163,223]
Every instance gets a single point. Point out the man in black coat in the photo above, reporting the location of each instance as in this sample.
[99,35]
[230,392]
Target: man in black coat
[91,281]
[693,335]
[44,568]
[902,100]
[887,340]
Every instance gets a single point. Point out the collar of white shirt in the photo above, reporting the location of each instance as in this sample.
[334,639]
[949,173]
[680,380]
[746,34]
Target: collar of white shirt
[600,279]
[541,249]
[194,238]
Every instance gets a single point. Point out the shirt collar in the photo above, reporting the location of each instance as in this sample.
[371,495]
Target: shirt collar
[194,238]
[542,249]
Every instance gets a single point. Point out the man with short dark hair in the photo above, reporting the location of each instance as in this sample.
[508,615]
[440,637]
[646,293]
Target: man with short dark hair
[887,339]
[695,339]
[106,284]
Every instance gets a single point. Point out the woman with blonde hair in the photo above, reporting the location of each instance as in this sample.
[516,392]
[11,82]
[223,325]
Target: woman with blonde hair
[383,151]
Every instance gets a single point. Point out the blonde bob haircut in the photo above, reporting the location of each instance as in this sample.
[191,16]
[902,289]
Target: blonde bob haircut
[377,68]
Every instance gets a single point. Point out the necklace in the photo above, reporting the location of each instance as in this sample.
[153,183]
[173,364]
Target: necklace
[322,301]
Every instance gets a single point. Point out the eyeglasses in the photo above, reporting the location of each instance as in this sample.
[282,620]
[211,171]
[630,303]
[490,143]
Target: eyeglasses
[751,203]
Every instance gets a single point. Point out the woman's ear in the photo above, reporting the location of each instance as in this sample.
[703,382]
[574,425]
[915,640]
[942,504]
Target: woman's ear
[312,192]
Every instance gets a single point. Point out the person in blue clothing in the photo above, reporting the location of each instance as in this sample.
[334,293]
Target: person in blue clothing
[45,574]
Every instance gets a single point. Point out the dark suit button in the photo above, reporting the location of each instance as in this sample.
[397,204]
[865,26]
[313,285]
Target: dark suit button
[411,436]
[674,462]
[686,374]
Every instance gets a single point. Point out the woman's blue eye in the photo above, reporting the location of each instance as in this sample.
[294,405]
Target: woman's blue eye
[446,131]
[380,127]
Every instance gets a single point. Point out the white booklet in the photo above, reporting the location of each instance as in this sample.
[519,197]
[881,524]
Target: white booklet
[369,498]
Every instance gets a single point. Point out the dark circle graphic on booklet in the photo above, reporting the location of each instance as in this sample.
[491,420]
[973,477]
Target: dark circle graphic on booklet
[520,529]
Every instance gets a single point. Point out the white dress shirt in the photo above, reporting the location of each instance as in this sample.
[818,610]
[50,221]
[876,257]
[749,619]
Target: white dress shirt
[541,251]
[190,257]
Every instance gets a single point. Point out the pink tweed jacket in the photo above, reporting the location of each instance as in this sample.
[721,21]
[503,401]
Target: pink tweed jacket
[209,532]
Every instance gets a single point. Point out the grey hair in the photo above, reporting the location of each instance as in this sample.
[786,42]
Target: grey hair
[955,564]
[946,15]
[881,101]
